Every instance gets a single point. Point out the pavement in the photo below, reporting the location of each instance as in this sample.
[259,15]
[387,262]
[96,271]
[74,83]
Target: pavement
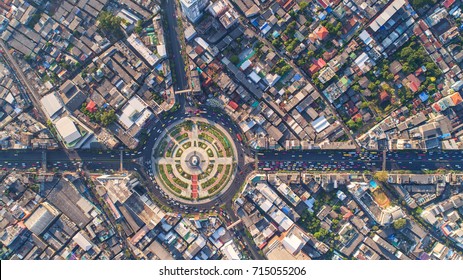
[174,49]
[412,160]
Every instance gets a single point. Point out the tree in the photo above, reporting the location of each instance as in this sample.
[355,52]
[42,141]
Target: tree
[110,24]
[321,233]
[234,59]
[381,176]
[417,4]
[418,211]
[283,70]
[108,117]
[276,42]
[399,224]
[303,5]
[139,27]
[364,105]
[354,125]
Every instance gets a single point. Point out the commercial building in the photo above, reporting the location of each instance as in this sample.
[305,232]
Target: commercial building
[193,9]
[68,130]
[135,112]
[52,105]
[39,221]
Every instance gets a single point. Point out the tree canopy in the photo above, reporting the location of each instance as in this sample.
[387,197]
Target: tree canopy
[417,4]
[399,224]
[381,176]
[110,24]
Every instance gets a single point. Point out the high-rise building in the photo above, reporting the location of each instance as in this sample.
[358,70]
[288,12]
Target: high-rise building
[193,9]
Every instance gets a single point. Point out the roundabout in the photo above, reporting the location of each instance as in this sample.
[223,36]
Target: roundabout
[194,161]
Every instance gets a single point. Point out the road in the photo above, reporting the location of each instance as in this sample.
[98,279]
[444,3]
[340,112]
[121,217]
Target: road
[20,75]
[174,49]
[307,160]
[339,160]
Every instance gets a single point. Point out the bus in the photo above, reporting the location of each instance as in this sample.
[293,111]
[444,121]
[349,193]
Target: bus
[239,137]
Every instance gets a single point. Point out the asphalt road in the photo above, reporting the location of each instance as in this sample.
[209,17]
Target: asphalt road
[317,160]
[174,49]
[339,160]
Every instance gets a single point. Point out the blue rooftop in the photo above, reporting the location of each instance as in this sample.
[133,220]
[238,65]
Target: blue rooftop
[424,96]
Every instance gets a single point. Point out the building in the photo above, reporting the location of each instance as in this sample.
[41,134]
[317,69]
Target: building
[91,107]
[144,52]
[134,115]
[321,32]
[193,9]
[67,130]
[52,105]
[39,221]
[82,241]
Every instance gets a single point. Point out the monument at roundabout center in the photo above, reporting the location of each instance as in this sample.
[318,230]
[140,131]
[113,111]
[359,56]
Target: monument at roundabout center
[194,160]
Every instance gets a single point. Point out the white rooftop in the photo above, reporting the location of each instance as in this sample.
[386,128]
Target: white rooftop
[134,112]
[67,129]
[51,104]
[292,243]
[320,124]
[82,242]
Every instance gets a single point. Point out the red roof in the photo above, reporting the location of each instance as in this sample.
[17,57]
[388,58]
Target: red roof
[322,3]
[456,98]
[384,96]
[321,63]
[437,107]
[322,32]
[199,50]
[423,25]
[194,186]
[347,215]
[91,106]
[288,5]
[357,116]
[233,105]
[448,3]
[314,68]
[414,84]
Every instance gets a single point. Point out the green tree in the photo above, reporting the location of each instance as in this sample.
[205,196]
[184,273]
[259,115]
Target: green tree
[276,42]
[418,211]
[303,5]
[381,176]
[110,24]
[234,59]
[399,224]
[139,27]
[108,117]
[364,105]
[417,4]
[321,233]
[283,70]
